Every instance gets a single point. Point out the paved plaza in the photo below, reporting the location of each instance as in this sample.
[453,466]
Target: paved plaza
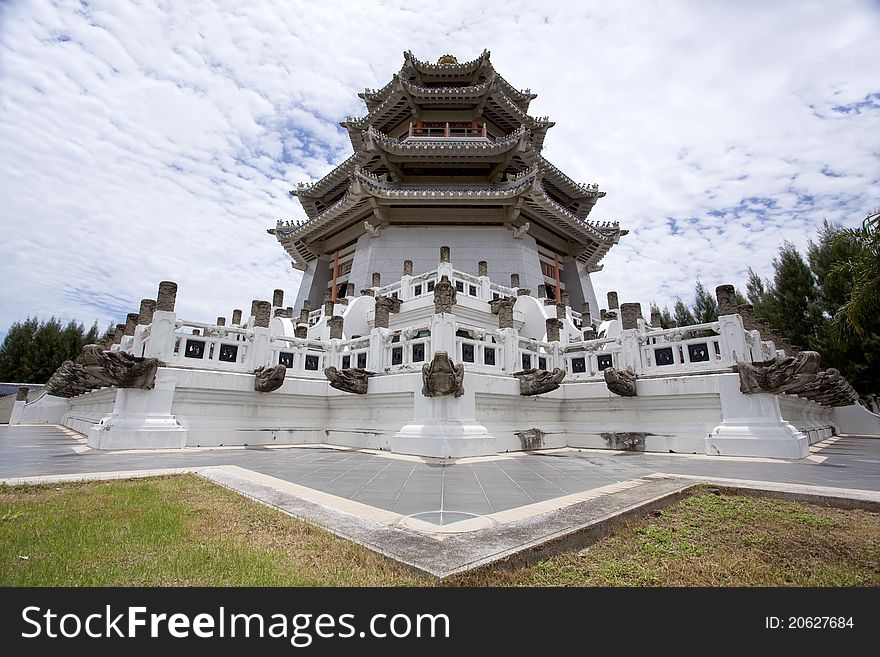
[479,509]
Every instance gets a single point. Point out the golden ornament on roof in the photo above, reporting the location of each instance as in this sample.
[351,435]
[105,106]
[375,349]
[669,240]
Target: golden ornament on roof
[447,59]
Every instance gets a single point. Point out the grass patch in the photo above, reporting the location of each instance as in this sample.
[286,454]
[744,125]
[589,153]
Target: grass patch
[187,531]
[171,531]
[717,540]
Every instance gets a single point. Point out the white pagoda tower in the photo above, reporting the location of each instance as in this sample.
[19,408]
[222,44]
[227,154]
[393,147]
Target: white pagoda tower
[448,154]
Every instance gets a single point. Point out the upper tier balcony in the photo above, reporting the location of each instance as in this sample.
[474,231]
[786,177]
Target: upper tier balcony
[448,130]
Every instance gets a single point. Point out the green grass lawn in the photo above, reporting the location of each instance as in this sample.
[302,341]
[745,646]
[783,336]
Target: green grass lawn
[185,530]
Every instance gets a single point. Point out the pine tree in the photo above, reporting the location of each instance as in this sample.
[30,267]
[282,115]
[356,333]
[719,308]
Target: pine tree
[794,298]
[33,350]
[683,314]
[705,305]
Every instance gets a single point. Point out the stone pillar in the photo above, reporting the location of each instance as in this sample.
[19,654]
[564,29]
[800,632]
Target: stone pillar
[589,333]
[377,279]
[445,296]
[145,315]
[504,309]
[542,291]
[335,323]
[277,298]
[262,313]
[612,301]
[131,322]
[304,316]
[279,312]
[221,321]
[565,299]
[289,311]
[482,268]
[368,292]
[585,312]
[253,308]
[560,311]
[445,254]
[196,332]
[603,314]
[383,309]
[656,319]
[747,312]
[552,329]
[167,296]
[629,315]
[407,268]
[328,304]
[236,317]
[514,280]
[523,291]
[301,331]
[349,290]
[726,297]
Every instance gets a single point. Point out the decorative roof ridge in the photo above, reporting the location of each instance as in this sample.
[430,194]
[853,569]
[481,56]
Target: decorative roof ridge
[422,66]
[513,186]
[451,143]
[335,176]
[541,196]
[468,88]
[588,189]
[537,121]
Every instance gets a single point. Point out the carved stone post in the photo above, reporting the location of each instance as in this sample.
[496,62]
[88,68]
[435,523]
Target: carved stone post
[167,296]
[197,332]
[552,329]
[542,291]
[384,307]
[482,268]
[236,317]
[747,312]
[726,297]
[328,304]
[603,315]
[253,308]
[514,280]
[523,292]
[504,309]
[262,313]
[407,267]
[560,311]
[585,312]
[630,313]
[289,311]
[589,333]
[304,316]
[277,298]
[445,296]
[336,323]
[612,301]
[145,315]
[221,321]
[349,290]
[656,319]
[301,331]
[445,254]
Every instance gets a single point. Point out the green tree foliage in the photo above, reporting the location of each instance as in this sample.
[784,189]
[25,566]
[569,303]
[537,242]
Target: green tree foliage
[33,350]
[862,267]
[682,314]
[705,305]
[794,298]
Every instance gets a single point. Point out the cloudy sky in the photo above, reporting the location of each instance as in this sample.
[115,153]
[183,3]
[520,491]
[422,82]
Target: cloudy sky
[144,141]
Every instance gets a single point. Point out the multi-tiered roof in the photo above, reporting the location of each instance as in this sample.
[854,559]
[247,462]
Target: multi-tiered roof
[447,135]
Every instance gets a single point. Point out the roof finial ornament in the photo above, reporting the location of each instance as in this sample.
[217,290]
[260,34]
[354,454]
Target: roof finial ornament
[447,59]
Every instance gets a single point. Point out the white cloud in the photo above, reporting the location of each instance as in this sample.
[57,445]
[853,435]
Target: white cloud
[141,141]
